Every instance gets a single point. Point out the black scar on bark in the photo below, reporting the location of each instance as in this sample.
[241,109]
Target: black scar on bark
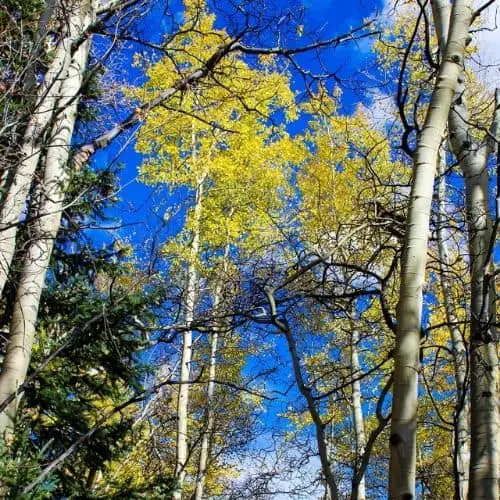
[395,439]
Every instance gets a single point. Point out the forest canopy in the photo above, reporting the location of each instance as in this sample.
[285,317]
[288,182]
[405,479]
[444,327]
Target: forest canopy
[248,249]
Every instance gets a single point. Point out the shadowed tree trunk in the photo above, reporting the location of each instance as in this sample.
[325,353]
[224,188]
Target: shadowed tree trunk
[473,159]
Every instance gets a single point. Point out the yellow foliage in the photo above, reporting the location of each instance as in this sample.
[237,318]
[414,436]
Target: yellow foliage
[349,170]
[217,134]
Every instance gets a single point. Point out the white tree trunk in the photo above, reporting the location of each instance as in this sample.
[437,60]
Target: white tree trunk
[205,442]
[458,345]
[45,227]
[409,311]
[441,10]
[357,410]
[473,159]
[14,201]
[484,466]
[187,348]
[207,432]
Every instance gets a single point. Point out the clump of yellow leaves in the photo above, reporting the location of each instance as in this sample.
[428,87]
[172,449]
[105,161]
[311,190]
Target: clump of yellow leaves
[220,133]
[349,170]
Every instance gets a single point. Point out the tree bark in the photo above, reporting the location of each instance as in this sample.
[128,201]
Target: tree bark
[409,310]
[19,181]
[205,442]
[187,347]
[14,200]
[45,227]
[459,350]
[359,492]
[473,159]
[210,419]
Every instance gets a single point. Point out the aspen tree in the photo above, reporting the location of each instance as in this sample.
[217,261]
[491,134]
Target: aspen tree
[187,341]
[210,413]
[14,200]
[409,310]
[228,159]
[473,159]
[207,431]
[485,446]
[37,257]
[79,20]
[459,350]
[350,166]
[357,412]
